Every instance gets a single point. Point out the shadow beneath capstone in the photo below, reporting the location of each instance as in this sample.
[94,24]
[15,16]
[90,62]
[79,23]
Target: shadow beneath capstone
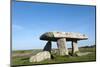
[52,57]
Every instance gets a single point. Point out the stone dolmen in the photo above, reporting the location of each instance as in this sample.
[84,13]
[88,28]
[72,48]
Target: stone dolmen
[61,38]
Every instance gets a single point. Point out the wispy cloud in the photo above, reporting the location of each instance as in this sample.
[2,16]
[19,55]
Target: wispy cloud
[17,27]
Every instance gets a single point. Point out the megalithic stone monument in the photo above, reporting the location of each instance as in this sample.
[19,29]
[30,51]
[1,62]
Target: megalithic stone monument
[61,38]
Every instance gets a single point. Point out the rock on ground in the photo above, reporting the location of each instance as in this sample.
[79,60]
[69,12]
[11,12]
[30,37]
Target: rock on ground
[40,56]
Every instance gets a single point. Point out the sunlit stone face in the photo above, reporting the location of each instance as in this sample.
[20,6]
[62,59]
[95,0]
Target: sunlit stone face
[53,36]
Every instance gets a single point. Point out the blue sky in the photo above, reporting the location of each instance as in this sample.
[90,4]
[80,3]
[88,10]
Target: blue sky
[30,20]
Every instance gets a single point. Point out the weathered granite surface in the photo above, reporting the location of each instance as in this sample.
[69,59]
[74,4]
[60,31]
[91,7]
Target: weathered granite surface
[62,47]
[53,36]
[40,56]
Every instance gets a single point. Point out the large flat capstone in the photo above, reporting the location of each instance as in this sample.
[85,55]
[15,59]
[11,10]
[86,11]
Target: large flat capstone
[54,36]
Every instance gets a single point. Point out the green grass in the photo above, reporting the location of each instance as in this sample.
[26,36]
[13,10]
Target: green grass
[26,51]
[24,60]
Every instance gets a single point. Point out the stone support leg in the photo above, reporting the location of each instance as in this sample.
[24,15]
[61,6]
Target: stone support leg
[74,47]
[61,46]
[47,46]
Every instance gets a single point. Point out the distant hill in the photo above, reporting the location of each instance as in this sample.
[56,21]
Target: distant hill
[88,46]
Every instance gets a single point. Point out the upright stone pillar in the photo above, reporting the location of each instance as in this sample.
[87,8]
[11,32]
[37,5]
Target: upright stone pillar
[74,47]
[47,46]
[61,46]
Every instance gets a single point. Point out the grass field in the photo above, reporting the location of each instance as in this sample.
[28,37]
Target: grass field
[21,57]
